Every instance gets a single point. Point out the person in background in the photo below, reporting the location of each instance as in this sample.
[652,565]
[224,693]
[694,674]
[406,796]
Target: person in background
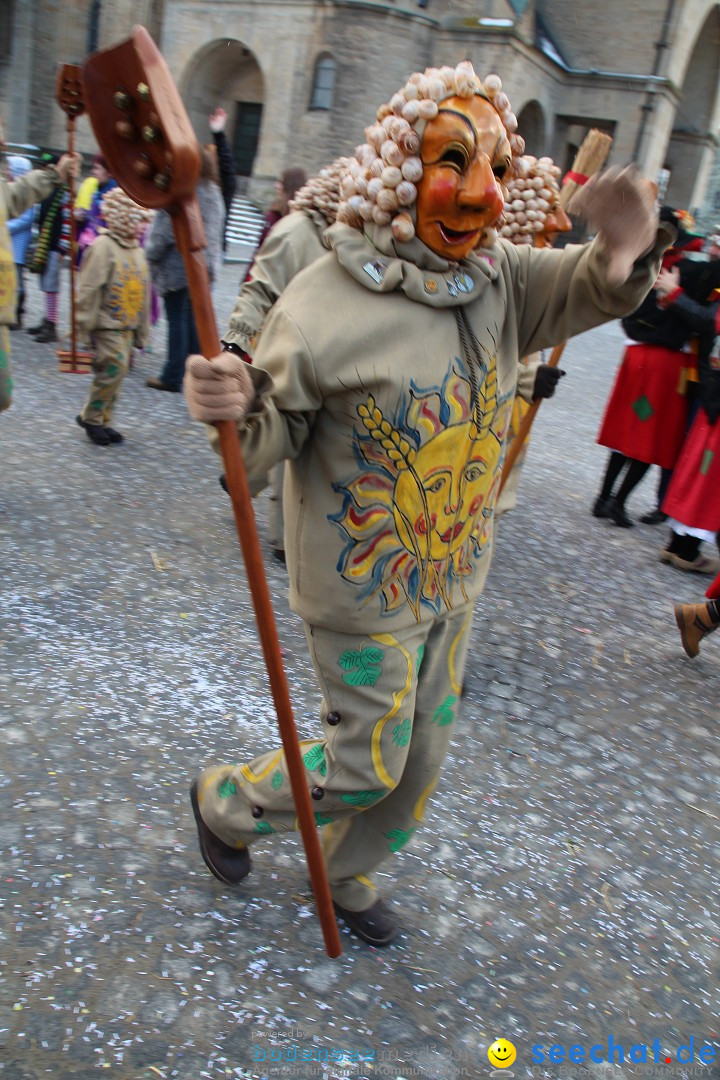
[646,415]
[113,306]
[227,172]
[692,502]
[20,229]
[287,188]
[293,243]
[16,196]
[90,221]
[52,244]
[168,274]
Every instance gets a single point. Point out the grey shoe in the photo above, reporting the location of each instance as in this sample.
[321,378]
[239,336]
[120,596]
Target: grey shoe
[375,925]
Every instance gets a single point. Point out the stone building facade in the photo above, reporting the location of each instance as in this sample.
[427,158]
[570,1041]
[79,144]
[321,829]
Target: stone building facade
[300,78]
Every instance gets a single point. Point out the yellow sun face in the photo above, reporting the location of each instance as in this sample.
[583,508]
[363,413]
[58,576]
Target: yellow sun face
[417,516]
[438,502]
[127,293]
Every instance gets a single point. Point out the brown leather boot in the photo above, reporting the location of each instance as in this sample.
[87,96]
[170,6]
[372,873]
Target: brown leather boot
[694,623]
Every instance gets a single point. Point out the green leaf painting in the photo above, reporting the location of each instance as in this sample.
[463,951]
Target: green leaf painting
[445,714]
[401,733]
[226,789]
[398,838]
[277,780]
[363,666]
[362,798]
[314,760]
[264,828]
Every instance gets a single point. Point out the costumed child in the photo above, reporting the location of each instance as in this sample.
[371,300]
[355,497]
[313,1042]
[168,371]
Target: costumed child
[113,307]
[17,196]
[386,374]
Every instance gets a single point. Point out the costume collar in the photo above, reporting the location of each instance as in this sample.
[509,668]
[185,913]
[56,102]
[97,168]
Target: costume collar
[382,264]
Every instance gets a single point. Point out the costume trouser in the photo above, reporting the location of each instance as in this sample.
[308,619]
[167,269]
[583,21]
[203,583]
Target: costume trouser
[112,359]
[6,381]
[389,701]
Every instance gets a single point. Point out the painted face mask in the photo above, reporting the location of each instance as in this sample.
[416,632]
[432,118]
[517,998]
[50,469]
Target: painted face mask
[443,111]
[465,154]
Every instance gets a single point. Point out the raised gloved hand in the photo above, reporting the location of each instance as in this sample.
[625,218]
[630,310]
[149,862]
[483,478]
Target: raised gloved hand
[620,206]
[218,390]
[546,379]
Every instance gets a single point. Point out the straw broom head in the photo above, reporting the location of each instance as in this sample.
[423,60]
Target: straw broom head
[589,160]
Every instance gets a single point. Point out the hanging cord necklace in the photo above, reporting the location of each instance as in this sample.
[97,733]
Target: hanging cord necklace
[474,360]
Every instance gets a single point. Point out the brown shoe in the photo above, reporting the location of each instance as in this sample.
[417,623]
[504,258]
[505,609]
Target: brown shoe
[229,865]
[703,564]
[693,623]
[374,925]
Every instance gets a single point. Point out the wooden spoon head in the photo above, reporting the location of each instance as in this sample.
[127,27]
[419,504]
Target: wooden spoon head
[140,122]
[69,92]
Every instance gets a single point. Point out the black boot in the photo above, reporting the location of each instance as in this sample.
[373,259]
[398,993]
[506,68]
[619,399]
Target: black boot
[615,510]
[36,329]
[96,433]
[48,333]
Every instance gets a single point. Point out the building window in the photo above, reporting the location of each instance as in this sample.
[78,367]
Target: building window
[323,84]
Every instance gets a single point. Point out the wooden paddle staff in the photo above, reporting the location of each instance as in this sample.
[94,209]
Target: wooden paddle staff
[589,160]
[143,130]
[69,96]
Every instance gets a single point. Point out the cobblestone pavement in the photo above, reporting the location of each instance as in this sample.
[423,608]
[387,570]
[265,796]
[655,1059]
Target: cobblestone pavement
[563,890]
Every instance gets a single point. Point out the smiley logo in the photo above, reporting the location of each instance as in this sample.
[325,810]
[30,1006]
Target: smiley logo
[501,1054]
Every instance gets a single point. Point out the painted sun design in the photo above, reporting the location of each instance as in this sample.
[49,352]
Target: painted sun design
[125,299]
[417,517]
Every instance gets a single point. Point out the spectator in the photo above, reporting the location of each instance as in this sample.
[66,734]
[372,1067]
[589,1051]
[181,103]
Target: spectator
[168,275]
[52,243]
[16,197]
[20,229]
[225,162]
[91,221]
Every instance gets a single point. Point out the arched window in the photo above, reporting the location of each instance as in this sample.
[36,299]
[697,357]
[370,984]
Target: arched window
[323,83]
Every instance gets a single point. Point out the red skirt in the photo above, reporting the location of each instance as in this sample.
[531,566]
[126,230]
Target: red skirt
[713,589]
[646,415]
[693,496]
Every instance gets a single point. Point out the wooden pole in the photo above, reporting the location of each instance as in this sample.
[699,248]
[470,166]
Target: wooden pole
[526,423]
[69,96]
[143,129]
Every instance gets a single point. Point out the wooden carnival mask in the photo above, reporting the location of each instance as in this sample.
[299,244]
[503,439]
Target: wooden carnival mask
[465,153]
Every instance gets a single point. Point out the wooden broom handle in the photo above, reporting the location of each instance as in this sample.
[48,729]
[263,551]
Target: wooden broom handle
[527,422]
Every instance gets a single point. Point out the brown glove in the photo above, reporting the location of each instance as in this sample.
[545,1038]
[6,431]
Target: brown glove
[218,390]
[620,206]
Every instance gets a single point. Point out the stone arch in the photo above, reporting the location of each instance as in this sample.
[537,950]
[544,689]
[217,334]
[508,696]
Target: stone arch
[532,125]
[693,139]
[226,73]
